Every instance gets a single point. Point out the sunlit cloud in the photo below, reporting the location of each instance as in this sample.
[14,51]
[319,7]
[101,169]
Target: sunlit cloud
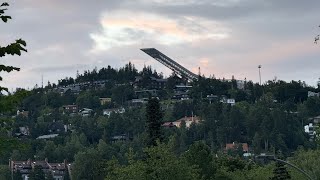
[128,28]
[195,2]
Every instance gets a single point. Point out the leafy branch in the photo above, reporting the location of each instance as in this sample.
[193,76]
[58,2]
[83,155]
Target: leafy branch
[317,38]
[12,49]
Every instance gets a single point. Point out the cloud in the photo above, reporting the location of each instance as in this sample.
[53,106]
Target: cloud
[125,28]
[223,37]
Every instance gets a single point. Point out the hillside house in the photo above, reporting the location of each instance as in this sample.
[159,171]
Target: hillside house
[187,120]
[86,112]
[57,127]
[107,112]
[235,146]
[57,170]
[313,94]
[23,113]
[70,109]
[104,101]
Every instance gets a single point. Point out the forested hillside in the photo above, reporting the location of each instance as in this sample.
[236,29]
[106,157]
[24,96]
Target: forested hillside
[111,139]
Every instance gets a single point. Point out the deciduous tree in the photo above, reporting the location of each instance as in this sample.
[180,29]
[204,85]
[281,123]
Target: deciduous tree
[12,49]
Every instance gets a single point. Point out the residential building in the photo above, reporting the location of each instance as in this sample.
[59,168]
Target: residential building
[158,83]
[226,100]
[181,92]
[104,101]
[234,146]
[310,130]
[212,98]
[315,120]
[22,131]
[122,137]
[240,83]
[186,120]
[48,136]
[86,112]
[23,113]
[70,109]
[57,170]
[313,94]
[146,93]
[57,127]
[107,112]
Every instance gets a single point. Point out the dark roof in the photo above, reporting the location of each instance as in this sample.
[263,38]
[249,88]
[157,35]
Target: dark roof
[56,126]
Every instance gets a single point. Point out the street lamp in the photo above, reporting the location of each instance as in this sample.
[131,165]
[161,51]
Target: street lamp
[273,158]
[259,73]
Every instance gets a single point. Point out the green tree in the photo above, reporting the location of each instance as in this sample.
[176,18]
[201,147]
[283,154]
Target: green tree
[17,176]
[88,165]
[66,175]
[280,172]
[199,154]
[4,172]
[161,164]
[154,117]
[37,173]
[11,49]
[308,161]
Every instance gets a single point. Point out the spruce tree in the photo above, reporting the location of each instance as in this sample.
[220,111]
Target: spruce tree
[280,172]
[154,116]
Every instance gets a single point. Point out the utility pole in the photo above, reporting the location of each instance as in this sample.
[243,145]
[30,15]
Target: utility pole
[42,81]
[259,73]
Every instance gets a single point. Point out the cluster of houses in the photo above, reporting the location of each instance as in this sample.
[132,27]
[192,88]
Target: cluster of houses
[181,91]
[78,87]
[188,121]
[57,170]
[311,128]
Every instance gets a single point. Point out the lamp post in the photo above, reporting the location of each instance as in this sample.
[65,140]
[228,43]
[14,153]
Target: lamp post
[273,158]
[259,73]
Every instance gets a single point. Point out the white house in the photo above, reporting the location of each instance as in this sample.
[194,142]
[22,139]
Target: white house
[107,112]
[86,112]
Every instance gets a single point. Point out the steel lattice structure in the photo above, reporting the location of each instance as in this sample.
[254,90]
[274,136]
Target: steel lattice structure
[171,64]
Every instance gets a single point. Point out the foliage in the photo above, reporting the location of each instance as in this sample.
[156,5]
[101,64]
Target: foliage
[200,154]
[161,164]
[37,173]
[308,161]
[280,172]
[154,116]
[88,165]
[11,49]
[4,172]
[268,117]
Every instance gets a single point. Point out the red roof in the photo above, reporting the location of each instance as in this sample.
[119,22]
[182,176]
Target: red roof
[194,118]
[232,146]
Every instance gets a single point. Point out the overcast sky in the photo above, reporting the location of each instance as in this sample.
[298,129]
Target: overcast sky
[223,37]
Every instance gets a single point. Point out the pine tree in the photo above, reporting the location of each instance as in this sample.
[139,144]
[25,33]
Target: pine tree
[154,116]
[280,172]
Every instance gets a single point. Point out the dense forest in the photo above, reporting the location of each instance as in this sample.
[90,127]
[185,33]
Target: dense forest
[270,118]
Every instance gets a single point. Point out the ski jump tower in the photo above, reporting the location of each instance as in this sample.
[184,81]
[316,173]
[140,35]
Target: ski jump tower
[171,64]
